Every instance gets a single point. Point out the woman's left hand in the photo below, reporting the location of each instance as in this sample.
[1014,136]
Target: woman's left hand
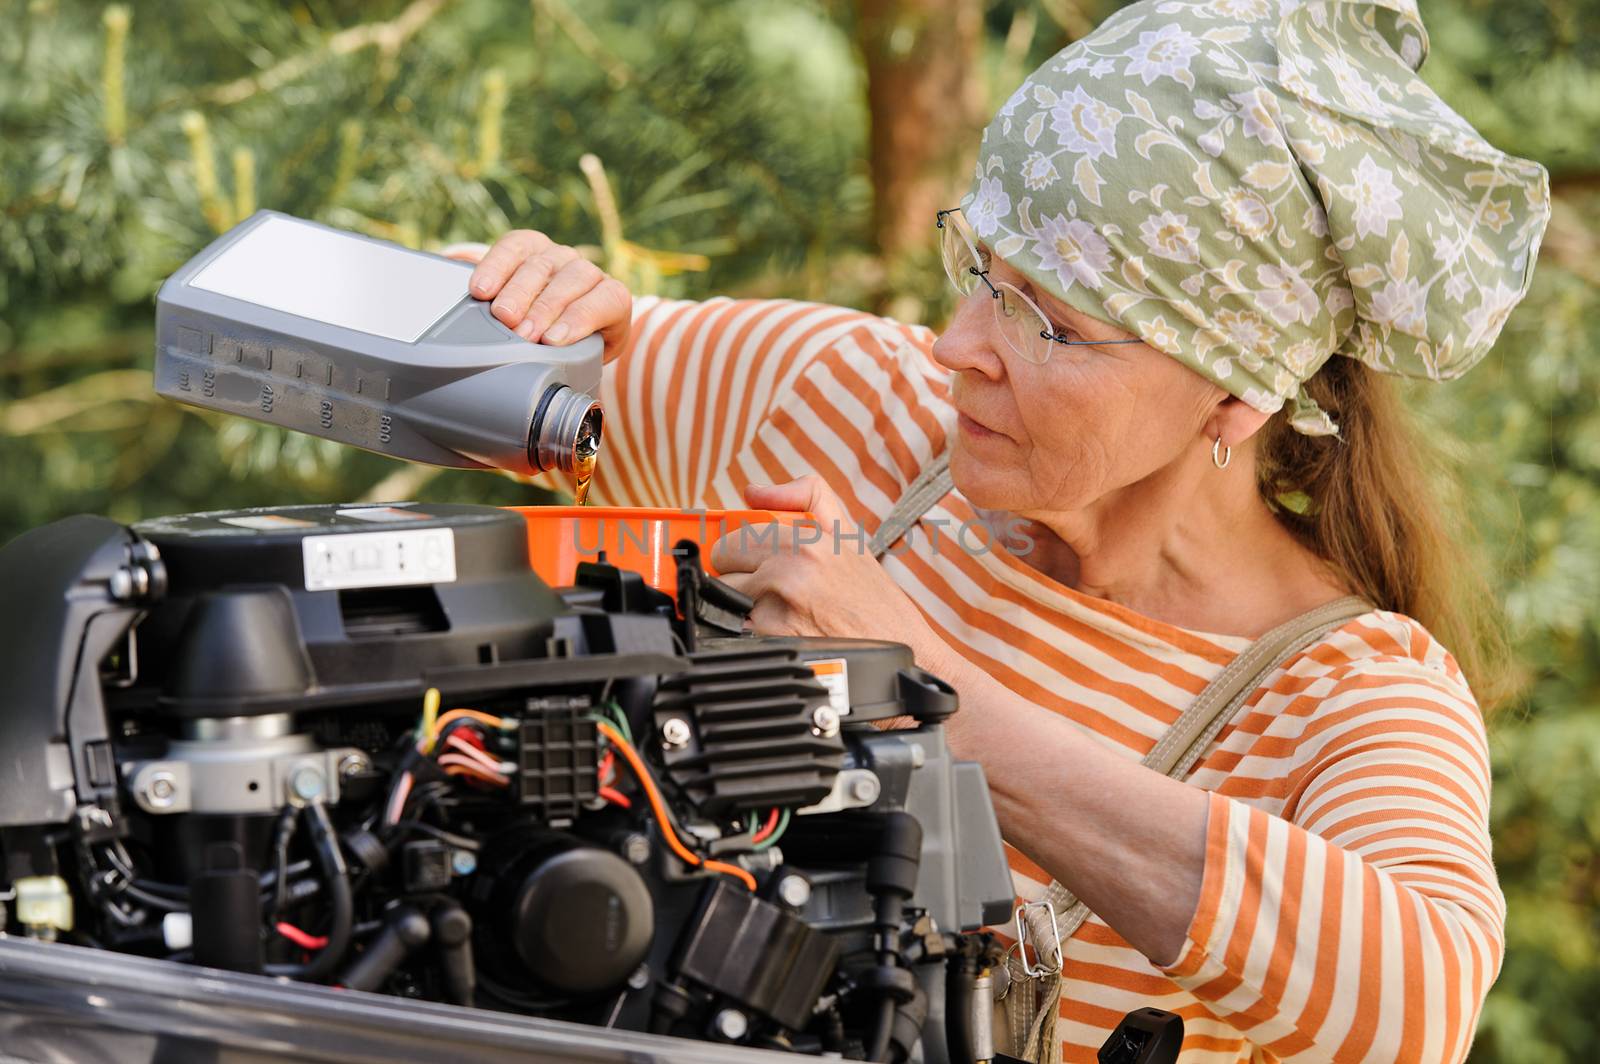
[816,579]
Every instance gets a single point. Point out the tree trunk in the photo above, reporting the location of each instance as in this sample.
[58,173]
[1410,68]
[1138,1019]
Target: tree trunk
[925,96]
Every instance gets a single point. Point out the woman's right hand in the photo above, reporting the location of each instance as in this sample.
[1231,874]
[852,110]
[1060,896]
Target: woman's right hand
[548,293]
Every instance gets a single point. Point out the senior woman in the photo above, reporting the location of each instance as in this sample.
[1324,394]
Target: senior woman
[1156,429]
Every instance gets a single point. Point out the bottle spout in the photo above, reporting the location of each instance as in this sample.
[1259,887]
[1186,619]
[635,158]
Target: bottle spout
[567,429]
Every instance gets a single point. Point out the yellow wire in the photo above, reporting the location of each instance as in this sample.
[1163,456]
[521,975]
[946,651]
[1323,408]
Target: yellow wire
[430,713]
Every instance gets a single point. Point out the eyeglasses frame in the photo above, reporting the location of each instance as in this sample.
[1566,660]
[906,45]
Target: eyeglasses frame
[1056,336]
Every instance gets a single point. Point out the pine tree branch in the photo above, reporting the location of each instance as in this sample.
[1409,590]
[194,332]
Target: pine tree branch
[586,41]
[23,417]
[403,483]
[387,37]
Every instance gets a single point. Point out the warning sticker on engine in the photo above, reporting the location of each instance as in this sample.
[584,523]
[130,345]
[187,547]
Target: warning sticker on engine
[266,522]
[380,514]
[380,559]
[834,674]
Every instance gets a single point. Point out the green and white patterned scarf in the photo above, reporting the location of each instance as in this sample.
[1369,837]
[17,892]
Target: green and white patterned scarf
[1253,186]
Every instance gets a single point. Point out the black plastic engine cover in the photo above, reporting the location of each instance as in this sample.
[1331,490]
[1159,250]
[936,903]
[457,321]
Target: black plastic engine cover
[364,600]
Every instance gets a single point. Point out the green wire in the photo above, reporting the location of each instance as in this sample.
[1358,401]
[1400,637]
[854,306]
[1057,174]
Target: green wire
[777,832]
[621,720]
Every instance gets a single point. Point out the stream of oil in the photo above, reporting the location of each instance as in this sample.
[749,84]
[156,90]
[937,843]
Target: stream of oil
[586,456]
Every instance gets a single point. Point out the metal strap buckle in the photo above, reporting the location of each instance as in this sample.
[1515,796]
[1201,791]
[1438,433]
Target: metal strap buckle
[1043,968]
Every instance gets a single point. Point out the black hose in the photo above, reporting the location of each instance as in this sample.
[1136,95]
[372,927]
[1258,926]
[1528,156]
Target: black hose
[281,837]
[178,893]
[154,901]
[878,1047]
[959,992]
[337,879]
[891,879]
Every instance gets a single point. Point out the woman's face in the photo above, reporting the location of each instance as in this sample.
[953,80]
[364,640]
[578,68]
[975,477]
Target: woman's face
[1063,435]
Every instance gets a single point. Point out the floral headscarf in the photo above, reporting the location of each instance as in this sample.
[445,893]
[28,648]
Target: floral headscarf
[1253,186]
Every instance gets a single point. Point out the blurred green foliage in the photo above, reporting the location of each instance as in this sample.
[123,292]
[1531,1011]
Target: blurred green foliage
[732,135]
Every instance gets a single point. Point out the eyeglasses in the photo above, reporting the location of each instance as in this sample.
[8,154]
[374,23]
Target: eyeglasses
[1026,328]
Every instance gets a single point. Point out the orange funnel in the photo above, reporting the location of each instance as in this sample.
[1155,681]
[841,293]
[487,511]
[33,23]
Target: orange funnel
[638,538]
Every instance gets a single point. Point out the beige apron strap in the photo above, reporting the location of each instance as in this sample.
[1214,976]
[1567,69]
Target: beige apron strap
[931,485]
[1174,755]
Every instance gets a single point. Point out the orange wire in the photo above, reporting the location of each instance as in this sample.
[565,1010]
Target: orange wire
[467,766]
[643,776]
[456,714]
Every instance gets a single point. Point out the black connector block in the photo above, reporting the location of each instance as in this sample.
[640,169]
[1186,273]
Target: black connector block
[758,954]
[558,757]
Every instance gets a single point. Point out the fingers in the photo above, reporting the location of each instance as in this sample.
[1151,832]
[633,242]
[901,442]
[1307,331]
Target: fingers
[736,556]
[530,286]
[502,260]
[808,494]
[548,293]
[772,616]
[772,613]
[607,308]
[575,278]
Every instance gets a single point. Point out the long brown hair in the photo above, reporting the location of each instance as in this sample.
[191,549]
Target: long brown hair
[1380,506]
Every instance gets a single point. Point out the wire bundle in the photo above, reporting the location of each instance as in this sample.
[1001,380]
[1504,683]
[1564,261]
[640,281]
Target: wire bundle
[456,742]
[659,809]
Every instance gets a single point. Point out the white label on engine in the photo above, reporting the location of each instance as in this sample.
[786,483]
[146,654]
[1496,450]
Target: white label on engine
[834,674]
[380,559]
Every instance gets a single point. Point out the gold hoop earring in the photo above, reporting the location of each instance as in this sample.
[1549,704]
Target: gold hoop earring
[1221,454]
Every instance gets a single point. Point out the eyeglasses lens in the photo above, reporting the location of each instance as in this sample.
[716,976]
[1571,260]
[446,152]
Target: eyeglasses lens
[1023,328]
[959,262]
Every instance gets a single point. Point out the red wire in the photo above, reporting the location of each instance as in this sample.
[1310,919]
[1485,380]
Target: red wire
[768,828]
[615,797]
[303,939]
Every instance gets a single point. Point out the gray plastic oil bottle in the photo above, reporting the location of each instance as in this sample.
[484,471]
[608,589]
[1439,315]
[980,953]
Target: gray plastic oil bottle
[372,344]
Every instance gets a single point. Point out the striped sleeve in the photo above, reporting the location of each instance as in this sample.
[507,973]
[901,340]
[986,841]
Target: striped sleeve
[709,396]
[1365,923]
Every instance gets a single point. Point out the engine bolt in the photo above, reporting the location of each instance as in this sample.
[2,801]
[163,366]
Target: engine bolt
[306,783]
[161,790]
[864,789]
[731,1024]
[675,732]
[636,849]
[794,890]
[463,862]
[640,977]
[825,722]
[353,764]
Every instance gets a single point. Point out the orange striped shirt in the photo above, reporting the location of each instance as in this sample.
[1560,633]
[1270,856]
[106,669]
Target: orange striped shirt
[1349,909]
